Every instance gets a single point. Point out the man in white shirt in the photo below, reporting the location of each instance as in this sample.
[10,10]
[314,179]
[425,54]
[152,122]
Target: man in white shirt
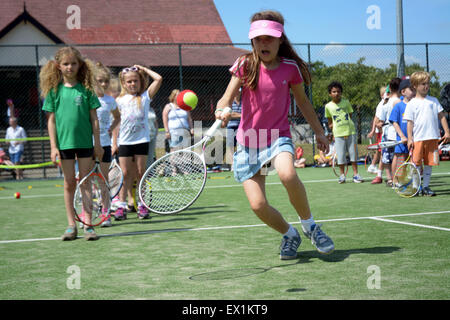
[16,148]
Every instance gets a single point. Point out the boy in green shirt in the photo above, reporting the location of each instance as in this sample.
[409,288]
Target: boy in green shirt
[339,114]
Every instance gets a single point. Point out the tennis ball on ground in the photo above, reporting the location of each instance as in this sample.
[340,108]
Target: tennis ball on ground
[187,100]
[30,187]
[17,195]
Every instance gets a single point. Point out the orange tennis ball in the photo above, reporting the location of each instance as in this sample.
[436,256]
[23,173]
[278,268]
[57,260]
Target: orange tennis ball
[17,195]
[187,100]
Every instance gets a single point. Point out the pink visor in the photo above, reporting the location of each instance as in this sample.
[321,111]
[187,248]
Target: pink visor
[265,28]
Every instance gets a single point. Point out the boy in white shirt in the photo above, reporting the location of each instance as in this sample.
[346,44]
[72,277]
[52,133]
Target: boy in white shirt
[423,114]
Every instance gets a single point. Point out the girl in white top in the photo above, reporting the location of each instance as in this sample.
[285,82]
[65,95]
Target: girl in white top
[177,123]
[134,134]
[108,108]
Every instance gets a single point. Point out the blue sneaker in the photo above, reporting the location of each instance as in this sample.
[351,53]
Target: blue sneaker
[320,240]
[289,246]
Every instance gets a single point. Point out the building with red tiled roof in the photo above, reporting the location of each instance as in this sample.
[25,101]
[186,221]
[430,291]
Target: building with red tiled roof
[118,33]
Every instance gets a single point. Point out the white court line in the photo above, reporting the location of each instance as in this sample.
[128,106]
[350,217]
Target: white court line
[211,187]
[231,227]
[410,224]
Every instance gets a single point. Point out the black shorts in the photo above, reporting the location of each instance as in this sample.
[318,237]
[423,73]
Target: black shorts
[130,150]
[69,154]
[107,157]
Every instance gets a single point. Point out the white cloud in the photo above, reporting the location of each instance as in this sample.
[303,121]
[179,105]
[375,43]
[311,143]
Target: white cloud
[334,48]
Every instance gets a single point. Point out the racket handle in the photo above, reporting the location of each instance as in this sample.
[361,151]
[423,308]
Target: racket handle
[217,124]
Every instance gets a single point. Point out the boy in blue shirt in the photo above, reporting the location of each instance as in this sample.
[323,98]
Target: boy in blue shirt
[396,118]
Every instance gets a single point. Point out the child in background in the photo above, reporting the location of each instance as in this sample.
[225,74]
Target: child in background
[389,134]
[326,159]
[376,131]
[134,134]
[267,75]
[423,114]
[400,124]
[67,84]
[108,108]
[339,114]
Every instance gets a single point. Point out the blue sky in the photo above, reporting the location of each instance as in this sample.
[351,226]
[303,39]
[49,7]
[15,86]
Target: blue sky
[325,21]
[340,22]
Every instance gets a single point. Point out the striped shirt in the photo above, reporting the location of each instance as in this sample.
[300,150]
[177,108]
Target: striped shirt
[264,115]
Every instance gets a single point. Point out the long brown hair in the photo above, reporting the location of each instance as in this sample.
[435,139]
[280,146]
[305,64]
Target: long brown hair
[50,76]
[253,62]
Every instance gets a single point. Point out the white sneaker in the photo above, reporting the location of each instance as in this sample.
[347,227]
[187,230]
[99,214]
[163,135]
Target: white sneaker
[342,178]
[372,169]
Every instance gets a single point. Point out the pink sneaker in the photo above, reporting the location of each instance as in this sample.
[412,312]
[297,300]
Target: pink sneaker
[377,180]
[105,218]
[143,212]
[119,214]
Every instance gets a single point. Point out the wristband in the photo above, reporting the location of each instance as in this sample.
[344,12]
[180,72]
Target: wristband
[219,109]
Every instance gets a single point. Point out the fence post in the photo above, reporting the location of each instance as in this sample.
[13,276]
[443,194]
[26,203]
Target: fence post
[180,67]
[310,95]
[426,55]
[41,125]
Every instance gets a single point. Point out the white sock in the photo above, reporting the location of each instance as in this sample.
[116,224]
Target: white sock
[307,224]
[123,205]
[291,232]
[379,173]
[427,175]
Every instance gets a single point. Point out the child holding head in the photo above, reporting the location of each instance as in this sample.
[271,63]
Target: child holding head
[423,114]
[108,108]
[339,114]
[67,84]
[134,133]
[267,75]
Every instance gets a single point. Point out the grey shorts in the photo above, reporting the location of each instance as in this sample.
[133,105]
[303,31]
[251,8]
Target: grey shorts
[344,145]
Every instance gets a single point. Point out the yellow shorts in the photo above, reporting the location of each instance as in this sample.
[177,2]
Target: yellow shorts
[427,151]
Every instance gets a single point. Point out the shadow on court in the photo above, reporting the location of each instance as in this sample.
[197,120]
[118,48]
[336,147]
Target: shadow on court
[302,257]
[341,255]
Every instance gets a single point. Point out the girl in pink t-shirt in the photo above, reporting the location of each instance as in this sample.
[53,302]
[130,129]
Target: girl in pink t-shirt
[267,75]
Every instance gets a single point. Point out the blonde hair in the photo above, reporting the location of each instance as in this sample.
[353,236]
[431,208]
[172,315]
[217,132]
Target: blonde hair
[418,77]
[173,95]
[102,71]
[143,79]
[114,86]
[99,71]
[50,76]
[286,50]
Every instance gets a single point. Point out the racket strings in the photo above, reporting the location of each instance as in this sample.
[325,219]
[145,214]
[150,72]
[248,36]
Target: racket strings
[173,182]
[407,180]
[115,179]
[90,197]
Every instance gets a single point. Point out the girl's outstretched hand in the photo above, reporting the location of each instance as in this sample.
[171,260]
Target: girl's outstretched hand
[322,143]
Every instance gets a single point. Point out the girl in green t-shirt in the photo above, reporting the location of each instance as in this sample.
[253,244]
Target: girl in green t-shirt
[67,84]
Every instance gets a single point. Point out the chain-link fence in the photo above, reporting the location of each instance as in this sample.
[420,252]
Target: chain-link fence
[361,68]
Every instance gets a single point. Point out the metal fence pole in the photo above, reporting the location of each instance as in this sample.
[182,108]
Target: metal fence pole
[310,95]
[180,67]
[426,55]
[41,125]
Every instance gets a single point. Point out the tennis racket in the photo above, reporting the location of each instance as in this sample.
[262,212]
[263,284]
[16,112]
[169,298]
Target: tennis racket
[335,167]
[383,145]
[91,195]
[173,182]
[407,180]
[115,177]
